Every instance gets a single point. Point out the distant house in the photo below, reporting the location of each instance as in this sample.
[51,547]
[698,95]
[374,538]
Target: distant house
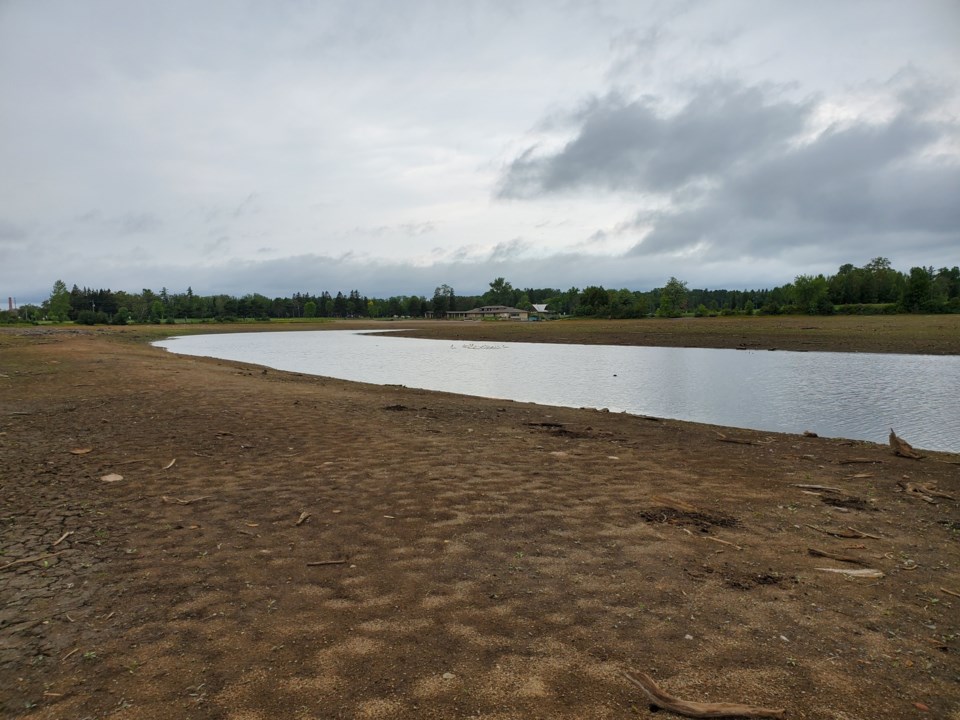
[495,312]
[540,312]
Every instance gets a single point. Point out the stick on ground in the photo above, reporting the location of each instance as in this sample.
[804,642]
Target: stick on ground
[835,556]
[34,558]
[663,699]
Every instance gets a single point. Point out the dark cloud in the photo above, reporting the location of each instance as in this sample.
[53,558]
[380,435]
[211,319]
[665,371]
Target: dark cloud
[633,146]
[746,176]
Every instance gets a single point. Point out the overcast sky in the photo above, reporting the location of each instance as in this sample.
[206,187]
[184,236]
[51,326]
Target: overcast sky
[391,147]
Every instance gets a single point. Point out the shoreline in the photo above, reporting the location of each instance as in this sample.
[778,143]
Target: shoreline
[281,541]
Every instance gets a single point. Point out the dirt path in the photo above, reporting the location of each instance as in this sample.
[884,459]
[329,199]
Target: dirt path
[496,560]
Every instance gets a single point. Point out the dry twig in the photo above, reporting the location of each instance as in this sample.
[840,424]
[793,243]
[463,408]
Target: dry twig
[63,537]
[834,556]
[317,563]
[849,533]
[724,542]
[663,699]
[34,558]
[859,572]
[949,592]
[179,501]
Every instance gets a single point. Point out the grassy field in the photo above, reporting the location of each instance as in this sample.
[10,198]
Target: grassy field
[915,334]
[926,334]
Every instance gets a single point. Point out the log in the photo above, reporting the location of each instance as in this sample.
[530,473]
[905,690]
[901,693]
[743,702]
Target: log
[902,448]
[663,699]
[835,556]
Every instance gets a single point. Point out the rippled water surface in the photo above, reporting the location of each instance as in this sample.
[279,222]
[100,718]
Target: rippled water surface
[847,395]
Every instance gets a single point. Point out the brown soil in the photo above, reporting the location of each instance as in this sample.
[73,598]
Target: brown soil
[499,560]
[924,334]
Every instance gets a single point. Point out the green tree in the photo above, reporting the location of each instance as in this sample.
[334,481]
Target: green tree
[59,302]
[500,293]
[673,299]
[919,291]
[594,300]
[310,309]
[810,294]
[443,299]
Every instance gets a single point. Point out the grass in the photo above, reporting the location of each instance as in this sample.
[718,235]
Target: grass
[927,334]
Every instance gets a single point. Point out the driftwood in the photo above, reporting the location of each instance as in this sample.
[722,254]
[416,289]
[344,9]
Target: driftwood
[304,516]
[859,461]
[663,699]
[859,572]
[825,488]
[722,542]
[924,492]
[180,501]
[950,592]
[834,556]
[739,441]
[317,563]
[848,533]
[902,448]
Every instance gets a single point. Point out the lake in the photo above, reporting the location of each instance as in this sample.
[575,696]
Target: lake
[851,395]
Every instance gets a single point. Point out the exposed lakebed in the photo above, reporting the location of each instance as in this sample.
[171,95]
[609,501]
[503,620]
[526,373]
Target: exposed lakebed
[859,396]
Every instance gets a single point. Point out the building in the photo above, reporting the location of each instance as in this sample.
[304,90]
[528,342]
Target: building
[492,312]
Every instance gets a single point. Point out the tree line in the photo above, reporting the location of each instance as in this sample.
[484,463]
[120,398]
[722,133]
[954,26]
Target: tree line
[874,288]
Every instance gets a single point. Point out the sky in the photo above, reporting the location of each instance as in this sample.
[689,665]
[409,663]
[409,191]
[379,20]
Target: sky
[391,147]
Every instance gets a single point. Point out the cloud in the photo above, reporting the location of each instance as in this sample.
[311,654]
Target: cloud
[634,146]
[743,172]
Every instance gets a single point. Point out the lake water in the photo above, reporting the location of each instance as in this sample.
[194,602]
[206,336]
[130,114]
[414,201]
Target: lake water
[848,395]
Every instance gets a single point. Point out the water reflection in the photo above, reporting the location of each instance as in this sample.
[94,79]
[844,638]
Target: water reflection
[834,394]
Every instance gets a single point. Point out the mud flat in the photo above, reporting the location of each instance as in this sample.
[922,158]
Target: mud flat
[186,537]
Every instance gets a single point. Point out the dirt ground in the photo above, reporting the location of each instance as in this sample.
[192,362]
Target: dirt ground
[283,546]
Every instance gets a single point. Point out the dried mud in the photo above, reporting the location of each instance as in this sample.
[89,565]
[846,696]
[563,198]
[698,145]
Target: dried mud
[500,560]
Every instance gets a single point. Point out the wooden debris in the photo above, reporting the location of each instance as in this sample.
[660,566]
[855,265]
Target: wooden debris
[303,518]
[810,434]
[722,542]
[848,533]
[112,478]
[81,451]
[859,572]
[860,476]
[860,461]
[862,534]
[949,592]
[170,464]
[902,448]
[825,488]
[317,563]
[662,699]
[33,558]
[924,491]
[75,650]
[179,501]
[63,537]
[834,556]
[738,441]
